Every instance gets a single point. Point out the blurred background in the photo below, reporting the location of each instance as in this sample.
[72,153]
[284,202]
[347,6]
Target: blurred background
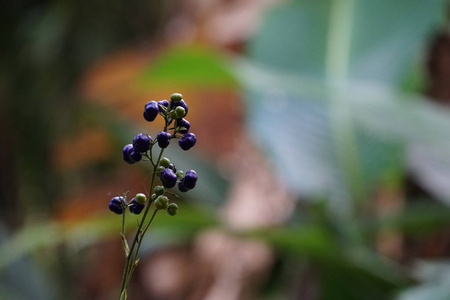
[323,148]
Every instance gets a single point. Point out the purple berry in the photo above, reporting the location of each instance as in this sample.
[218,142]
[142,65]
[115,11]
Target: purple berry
[151,111]
[163,103]
[181,186]
[117,205]
[183,104]
[135,156]
[135,207]
[163,139]
[187,141]
[126,153]
[141,142]
[168,178]
[190,179]
[172,167]
[183,123]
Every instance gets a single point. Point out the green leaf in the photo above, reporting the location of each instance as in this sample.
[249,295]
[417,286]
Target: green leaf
[345,270]
[191,66]
[88,231]
[126,249]
[324,78]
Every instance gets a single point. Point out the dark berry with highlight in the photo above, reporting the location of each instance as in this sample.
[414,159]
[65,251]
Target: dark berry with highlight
[183,123]
[126,151]
[141,142]
[181,186]
[163,139]
[168,178]
[190,179]
[151,111]
[135,207]
[135,156]
[117,205]
[187,141]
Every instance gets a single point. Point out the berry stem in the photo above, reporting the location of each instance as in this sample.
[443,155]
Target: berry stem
[129,268]
[135,259]
[124,242]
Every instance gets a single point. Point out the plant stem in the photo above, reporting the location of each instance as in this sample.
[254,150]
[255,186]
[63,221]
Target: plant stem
[137,250]
[129,268]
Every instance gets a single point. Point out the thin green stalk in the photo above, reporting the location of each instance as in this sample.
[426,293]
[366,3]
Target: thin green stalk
[133,266]
[137,241]
[128,270]
[124,241]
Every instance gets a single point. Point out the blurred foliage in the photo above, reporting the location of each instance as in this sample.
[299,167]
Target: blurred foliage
[189,66]
[325,83]
[47,46]
[334,81]
[354,67]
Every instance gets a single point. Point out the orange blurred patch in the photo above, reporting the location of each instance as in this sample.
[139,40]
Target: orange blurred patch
[90,146]
[95,197]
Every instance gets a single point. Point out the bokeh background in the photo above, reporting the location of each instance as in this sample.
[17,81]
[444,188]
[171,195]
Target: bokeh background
[323,148]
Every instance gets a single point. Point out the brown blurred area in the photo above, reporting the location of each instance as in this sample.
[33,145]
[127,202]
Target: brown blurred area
[64,126]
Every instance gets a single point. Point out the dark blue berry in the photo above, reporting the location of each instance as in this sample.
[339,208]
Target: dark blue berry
[141,142]
[183,123]
[182,104]
[135,207]
[135,156]
[181,186]
[190,179]
[163,139]
[172,167]
[117,204]
[168,178]
[163,103]
[151,111]
[126,153]
[187,141]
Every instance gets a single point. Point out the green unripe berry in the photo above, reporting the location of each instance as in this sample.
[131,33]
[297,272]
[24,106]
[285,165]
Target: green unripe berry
[141,198]
[153,197]
[180,112]
[180,174]
[161,202]
[173,114]
[176,97]
[165,162]
[159,169]
[159,190]
[172,209]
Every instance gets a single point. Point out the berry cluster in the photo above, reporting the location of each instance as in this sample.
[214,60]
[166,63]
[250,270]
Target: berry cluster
[136,205]
[142,146]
